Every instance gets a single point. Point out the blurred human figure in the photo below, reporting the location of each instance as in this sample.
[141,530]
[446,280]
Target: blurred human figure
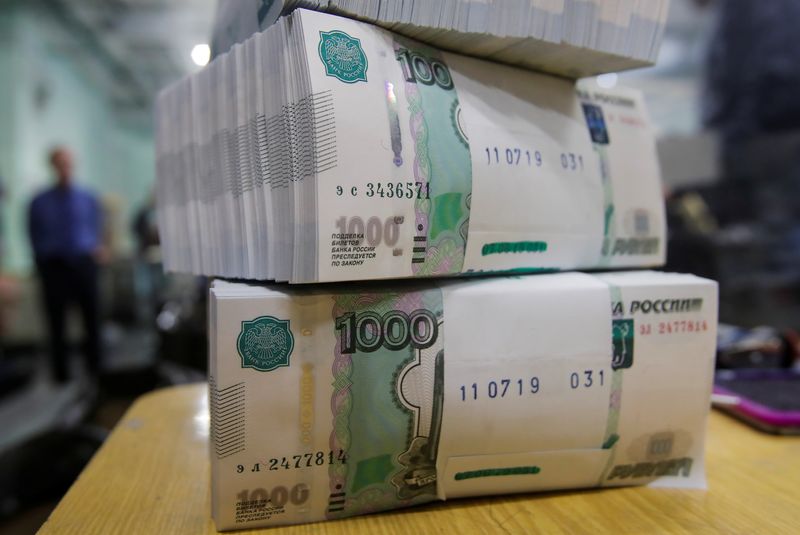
[150,275]
[753,71]
[753,101]
[8,287]
[65,225]
[2,209]
[9,295]
[145,226]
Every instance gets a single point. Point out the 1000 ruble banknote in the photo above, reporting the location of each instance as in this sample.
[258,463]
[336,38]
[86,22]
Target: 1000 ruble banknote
[335,402]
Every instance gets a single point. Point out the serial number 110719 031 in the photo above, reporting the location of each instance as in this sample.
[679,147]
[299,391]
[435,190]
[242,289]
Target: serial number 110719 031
[502,388]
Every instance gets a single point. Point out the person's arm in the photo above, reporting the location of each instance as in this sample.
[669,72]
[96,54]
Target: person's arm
[9,295]
[34,226]
[752,69]
[730,68]
[101,252]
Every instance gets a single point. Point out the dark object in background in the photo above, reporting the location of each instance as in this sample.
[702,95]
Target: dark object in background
[44,467]
[182,325]
[761,347]
[752,73]
[768,400]
[688,240]
[64,281]
[752,83]
[15,374]
[719,232]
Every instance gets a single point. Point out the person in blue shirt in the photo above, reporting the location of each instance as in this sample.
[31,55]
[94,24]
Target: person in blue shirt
[65,226]
[752,100]
[752,78]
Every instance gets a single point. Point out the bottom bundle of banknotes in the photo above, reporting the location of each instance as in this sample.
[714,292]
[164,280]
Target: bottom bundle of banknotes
[334,401]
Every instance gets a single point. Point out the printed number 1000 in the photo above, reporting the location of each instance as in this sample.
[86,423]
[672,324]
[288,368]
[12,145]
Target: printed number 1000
[369,331]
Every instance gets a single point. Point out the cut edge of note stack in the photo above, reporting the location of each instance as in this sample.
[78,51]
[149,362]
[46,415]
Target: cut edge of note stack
[571,38]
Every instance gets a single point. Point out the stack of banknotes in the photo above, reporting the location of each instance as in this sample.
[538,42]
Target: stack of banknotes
[573,38]
[337,401]
[327,149]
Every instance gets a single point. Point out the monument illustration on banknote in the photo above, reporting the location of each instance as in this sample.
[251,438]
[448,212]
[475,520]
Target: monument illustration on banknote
[419,476]
[396,362]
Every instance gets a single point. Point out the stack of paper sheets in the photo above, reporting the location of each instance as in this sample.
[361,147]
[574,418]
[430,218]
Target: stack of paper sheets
[573,38]
[327,149]
[339,401]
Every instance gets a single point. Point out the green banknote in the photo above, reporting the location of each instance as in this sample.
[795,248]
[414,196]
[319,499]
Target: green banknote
[333,402]
[441,162]
[387,399]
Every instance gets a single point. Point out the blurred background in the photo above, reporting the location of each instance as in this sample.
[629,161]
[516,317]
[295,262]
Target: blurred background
[82,75]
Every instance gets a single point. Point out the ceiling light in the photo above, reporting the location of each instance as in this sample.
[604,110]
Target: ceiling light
[201,54]
[607,81]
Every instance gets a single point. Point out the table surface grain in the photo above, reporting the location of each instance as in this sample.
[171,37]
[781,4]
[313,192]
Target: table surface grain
[152,477]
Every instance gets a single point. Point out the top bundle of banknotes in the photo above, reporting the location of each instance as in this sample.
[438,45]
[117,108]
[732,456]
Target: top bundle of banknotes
[573,38]
[329,149]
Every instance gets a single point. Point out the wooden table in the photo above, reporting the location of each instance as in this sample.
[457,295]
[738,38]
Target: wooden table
[152,477]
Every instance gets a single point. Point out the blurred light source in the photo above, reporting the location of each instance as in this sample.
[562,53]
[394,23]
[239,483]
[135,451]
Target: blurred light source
[201,54]
[607,81]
